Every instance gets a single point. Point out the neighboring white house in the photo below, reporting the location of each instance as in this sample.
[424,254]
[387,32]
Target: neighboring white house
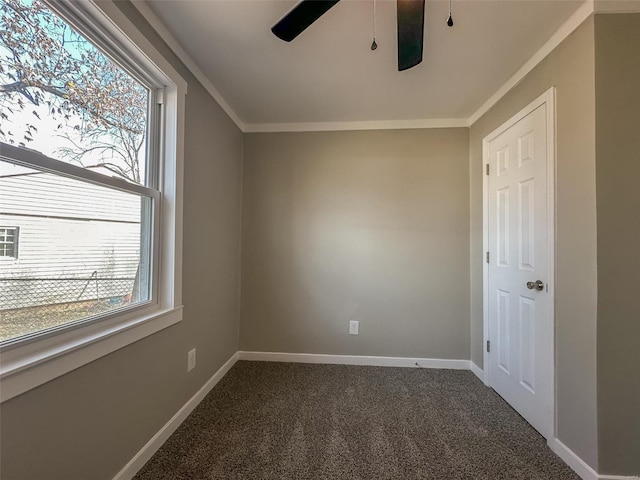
[63,240]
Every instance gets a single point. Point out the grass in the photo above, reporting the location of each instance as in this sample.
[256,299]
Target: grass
[23,321]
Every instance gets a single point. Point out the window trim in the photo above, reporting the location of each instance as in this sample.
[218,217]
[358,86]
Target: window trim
[16,242]
[25,365]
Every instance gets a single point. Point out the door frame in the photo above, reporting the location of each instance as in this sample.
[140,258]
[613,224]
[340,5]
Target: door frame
[548,98]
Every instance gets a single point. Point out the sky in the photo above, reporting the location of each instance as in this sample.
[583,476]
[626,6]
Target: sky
[48,138]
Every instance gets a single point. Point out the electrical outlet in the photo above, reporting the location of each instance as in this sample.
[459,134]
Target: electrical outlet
[354,327]
[191,360]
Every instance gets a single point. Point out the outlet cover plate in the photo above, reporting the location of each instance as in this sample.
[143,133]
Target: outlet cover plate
[354,327]
[191,360]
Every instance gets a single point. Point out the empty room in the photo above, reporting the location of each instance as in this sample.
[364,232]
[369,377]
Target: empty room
[319,239]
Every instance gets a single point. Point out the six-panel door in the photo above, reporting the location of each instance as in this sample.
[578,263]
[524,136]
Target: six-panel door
[520,327]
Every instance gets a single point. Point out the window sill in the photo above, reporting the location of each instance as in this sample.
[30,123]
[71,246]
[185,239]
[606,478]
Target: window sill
[24,368]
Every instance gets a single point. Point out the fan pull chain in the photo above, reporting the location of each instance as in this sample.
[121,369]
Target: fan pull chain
[450,19]
[374,45]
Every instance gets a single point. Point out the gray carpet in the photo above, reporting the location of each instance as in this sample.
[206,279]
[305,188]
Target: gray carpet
[301,421]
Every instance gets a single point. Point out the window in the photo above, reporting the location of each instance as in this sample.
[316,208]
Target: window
[90,194]
[87,249]
[90,168]
[9,242]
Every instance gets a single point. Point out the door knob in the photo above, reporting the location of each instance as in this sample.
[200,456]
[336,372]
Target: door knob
[537,285]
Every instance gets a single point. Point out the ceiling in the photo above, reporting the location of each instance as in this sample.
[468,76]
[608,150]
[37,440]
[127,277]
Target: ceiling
[330,74]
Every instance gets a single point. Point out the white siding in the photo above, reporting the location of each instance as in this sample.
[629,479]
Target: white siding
[53,248]
[68,230]
[50,195]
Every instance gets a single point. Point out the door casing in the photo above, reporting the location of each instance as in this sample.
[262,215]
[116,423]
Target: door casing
[549,99]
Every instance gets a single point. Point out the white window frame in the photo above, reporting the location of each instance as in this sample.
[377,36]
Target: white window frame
[27,363]
[16,239]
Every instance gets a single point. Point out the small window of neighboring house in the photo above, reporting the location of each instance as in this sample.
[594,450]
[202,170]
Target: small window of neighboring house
[90,167]
[9,242]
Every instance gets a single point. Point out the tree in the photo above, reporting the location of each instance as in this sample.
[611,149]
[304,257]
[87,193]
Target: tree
[99,108]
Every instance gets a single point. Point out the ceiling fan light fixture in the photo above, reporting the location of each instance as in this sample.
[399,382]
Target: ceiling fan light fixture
[409,17]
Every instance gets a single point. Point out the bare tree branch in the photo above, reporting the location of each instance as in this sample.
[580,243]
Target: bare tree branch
[46,63]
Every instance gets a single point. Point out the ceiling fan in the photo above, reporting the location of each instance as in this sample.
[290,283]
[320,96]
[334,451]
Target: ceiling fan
[410,16]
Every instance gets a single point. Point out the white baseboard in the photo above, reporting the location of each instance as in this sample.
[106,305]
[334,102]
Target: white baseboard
[146,452]
[137,462]
[574,461]
[478,372]
[617,477]
[580,466]
[354,360]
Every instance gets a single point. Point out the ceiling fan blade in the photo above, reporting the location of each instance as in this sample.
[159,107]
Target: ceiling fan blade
[410,33]
[298,19]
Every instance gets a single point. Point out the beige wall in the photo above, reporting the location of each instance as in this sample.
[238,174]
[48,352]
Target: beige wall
[374,226]
[89,423]
[361,225]
[570,68]
[618,174]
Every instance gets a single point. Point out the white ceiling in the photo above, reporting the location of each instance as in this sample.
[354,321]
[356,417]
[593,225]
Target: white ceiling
[329,73]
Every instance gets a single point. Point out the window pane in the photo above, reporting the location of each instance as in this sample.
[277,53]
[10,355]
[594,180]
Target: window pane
[63,97]
[84,250]
[8,241]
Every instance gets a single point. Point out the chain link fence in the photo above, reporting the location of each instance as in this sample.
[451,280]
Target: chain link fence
[32,304]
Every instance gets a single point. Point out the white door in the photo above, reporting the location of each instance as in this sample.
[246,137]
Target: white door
[520,310]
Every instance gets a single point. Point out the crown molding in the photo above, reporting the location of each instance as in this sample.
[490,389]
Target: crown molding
[567,28]
[360,125]
[174,45]
[617,6]
[572,23]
